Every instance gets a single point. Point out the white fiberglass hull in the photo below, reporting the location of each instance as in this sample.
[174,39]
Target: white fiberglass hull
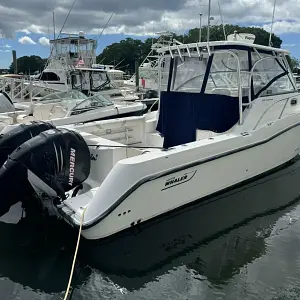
[139,190]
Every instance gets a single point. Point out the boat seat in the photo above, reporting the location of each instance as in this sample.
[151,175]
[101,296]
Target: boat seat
[221,91]
[22,119]
[204,134]
[6,120]
[59,112]
[42,111]
[128,131]
[48,111]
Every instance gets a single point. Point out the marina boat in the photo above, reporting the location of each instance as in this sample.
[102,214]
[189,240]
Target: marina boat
[64,108]
[71,65]
[297,79]
[228,112]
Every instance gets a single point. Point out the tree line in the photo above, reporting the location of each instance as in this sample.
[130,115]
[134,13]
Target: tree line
[127,51]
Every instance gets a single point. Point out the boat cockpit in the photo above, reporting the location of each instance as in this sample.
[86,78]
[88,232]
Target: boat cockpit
[210,87]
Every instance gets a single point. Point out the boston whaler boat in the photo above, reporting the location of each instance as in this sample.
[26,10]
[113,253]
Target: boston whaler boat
[229,111]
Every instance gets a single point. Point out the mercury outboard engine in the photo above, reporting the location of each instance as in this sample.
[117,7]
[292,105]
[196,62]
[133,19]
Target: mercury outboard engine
[18,135]
[54,162]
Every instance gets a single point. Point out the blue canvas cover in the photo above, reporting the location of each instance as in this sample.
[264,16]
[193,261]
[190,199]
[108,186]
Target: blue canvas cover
[181,114]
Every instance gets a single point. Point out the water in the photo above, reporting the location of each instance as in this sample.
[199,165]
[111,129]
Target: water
[241,245]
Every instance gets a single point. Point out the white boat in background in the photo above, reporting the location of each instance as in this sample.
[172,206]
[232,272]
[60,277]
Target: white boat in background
[229,112]
[64,108]
[149,68]
[71,65]
[297,79]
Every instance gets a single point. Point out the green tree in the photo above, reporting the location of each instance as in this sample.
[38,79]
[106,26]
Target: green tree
[217,34]
[28,64]
[129,50]
[294,63]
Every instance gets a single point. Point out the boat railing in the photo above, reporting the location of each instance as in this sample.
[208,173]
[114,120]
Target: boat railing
[21,89]
[273,104]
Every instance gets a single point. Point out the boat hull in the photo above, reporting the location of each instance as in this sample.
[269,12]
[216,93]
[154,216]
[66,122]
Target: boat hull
[189,183]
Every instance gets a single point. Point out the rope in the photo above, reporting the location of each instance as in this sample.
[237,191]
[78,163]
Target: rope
[75,255]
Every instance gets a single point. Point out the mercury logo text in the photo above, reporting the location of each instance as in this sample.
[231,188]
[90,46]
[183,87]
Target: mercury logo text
[72,166]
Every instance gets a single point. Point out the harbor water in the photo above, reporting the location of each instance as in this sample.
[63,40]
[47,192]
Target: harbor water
[244,244]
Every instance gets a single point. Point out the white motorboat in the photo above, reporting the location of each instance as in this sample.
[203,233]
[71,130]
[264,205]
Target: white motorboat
[229,112]
[64,108]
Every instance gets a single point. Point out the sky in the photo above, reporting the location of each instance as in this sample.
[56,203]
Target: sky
[27,25]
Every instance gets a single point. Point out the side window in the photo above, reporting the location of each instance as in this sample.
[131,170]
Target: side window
[269,78]
[188,74]
[223,75]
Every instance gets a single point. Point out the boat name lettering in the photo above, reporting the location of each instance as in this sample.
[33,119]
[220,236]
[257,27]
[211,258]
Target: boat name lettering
[175,180]
[72,166]
[171,182]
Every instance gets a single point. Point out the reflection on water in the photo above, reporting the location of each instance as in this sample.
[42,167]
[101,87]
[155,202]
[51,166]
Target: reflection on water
[241,245]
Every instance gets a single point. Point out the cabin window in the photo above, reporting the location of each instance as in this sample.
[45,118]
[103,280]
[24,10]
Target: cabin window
[270,77]
[223,76]
[99,76]
[187,76]
[49,76]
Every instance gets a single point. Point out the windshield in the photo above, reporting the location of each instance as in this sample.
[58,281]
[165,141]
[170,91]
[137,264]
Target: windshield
[63,96]
[270,74]
[96,101]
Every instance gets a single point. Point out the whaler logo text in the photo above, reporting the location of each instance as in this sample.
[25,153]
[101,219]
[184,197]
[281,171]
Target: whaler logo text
[72,166]
[178,180]
[175,180]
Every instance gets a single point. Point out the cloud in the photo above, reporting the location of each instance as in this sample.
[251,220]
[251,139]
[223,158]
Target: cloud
[288,45]
[26,40]
[44,41]
[24,31]
[284,26]
[141,17]
[5,46]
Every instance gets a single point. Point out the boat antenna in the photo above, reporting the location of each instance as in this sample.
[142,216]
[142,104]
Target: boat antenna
[105,26]
[53,26]
[152,32]
[200,27]
[271,32]
[53,17]
[222,20]
[208,21]
[119,63]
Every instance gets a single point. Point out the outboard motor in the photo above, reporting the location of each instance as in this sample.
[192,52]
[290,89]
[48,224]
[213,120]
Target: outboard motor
[54,162]
[18,135]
